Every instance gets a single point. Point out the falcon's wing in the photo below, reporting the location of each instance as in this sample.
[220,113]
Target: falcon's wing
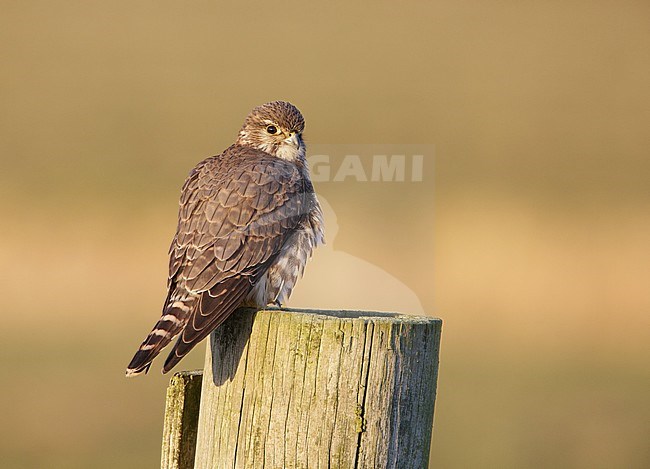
[237,210]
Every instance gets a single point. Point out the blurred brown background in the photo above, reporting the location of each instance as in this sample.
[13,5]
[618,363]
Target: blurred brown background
[534,250]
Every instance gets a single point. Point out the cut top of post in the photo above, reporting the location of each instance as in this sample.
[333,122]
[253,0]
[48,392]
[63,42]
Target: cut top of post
[358,314]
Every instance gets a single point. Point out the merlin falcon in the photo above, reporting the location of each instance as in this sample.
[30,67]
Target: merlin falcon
[248,222]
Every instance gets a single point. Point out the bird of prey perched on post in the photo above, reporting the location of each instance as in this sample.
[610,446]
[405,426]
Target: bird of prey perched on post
[248,221]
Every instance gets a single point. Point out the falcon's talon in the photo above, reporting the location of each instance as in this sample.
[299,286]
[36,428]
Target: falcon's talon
[248,222]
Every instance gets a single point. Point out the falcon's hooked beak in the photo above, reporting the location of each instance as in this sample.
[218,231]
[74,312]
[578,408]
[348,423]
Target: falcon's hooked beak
[293,139]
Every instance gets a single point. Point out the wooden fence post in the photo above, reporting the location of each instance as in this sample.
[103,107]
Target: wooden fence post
[181,419]
[310,389]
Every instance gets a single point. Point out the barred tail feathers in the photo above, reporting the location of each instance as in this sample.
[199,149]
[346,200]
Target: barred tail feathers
[175,315]
[213,308]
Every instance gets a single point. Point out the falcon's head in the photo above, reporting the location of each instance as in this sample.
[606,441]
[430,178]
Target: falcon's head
[275,128]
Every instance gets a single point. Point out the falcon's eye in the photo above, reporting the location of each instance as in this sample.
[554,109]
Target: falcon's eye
[272,129]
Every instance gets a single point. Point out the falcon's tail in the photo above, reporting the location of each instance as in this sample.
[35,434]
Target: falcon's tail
[212,310]
[175,315]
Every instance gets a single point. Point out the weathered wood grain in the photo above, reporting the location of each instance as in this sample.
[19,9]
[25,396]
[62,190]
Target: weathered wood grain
[319,389]
[181,419]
